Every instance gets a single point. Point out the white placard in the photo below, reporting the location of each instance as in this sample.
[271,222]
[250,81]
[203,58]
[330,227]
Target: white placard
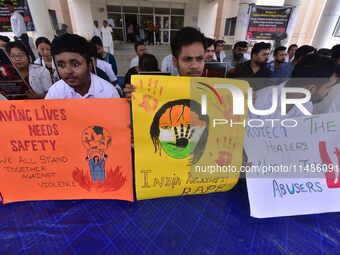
[294,170]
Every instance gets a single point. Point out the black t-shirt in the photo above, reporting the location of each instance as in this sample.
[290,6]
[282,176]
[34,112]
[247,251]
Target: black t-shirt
[258,80]
[129,73]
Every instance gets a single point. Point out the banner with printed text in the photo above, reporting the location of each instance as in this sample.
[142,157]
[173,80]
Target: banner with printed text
[22,7]
[266,22]
[295,170]
[175,143]
[65,149]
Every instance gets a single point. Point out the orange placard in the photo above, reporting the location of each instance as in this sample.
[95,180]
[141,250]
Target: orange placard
[65,149]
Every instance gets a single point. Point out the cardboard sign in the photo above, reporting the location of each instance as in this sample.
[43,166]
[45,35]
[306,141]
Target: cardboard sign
[12,85]
[297,168]
[65,149]
[175,143]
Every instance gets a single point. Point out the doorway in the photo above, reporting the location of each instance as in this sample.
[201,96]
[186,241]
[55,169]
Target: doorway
[163,21]
[130,24]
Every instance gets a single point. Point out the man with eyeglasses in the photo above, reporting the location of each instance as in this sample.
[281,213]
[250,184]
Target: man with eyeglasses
[256,67]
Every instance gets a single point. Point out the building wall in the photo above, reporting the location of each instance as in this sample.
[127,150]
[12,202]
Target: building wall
[81,17]
[201,14]
[308,18]
[62,12]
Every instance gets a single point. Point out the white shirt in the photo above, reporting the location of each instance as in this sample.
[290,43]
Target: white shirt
[168,65]
[222,56]
[39,79]
[107,68]
[134,62]
[264,100]
[107,36]
[40,61]
[18,24]
[99,88]
[247,55]
[330,103]
[96,32]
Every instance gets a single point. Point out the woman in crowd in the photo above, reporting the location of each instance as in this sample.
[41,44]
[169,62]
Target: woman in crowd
[45,59]
[38,77]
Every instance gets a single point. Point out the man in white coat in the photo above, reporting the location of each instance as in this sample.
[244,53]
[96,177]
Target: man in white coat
[96,30]
[107,38]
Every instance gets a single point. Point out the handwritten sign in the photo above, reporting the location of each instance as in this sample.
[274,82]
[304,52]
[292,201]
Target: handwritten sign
[295,170]
[65,149]
[175,143]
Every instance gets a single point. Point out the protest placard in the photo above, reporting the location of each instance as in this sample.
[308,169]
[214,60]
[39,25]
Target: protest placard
[178,149]
[65,149]
[295,170]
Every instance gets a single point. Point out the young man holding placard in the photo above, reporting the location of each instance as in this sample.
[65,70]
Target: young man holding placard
[72,57]
[188,48]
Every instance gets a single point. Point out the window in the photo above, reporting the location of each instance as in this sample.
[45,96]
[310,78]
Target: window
[177,11]
[148,10]
[130,9]
[177,22]
[162,10]
[53,18]
[230,25]
[336,32]
[111,8]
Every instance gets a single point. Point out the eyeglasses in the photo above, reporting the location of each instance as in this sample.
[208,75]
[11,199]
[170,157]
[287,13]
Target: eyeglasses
[20,56]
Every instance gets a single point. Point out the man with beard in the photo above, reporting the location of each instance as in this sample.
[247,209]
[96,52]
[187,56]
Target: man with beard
[280,56]
[256,67]
[210,52]
[188,49]
[236,57]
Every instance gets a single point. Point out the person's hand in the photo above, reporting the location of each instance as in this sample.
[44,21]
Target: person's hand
[128,90]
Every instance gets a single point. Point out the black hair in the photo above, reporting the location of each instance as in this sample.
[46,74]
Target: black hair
[148,63]
[138,44]
[71,43]
[92,49]
[19,45]
[241,44]
[4,38]
[314,69]
[8,2]
[280,48]
[303,51]
[97,41]
[42,40]
[194,107]
[209,42]
[220,41]
[186,36]
[336,51]
[291,46]
[260,46]
[325,52]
